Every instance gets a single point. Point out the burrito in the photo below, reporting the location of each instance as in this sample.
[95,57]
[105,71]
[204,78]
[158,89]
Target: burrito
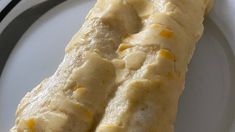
[124,70]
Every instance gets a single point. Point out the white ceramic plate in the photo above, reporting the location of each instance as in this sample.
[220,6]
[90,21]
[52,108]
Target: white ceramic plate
[207,105]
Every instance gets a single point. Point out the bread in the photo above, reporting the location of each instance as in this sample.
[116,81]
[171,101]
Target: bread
[124,71]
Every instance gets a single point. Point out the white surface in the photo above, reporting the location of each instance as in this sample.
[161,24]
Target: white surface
[207,103]
[223,15]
